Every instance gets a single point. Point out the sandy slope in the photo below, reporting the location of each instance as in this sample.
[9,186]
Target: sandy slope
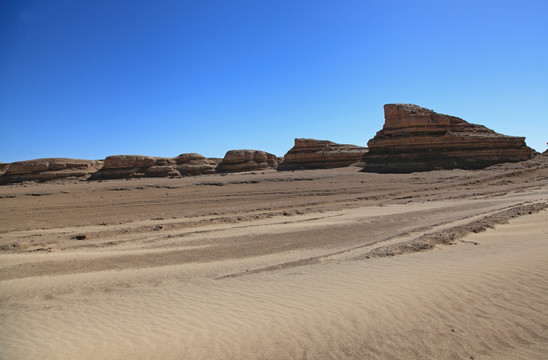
[278,266]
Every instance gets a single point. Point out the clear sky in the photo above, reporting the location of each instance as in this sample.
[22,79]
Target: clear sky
[88,79]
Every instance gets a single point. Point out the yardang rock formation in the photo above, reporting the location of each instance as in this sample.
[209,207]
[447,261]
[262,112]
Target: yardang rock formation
[247,160]
[320,154]
[412,139]
[418,139]
[47,169]
[135,166]
[191,164]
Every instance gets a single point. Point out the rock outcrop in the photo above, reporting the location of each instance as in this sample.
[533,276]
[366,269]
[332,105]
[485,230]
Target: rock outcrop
[418,139]
[47,169]
[136,166]
[320,154]
[195,164]
[129,166]
[247,160]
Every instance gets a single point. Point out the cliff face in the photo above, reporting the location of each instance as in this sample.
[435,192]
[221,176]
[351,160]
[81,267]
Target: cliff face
[418,139]
[247,160]
[320,154]
[47,169]
[135,166]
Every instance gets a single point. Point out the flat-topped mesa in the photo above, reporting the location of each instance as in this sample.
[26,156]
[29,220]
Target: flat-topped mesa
[47,169]
[247,160]
[320,154]
[137,166]
[418,139]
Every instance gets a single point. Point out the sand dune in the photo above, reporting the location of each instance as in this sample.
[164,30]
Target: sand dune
[278,266]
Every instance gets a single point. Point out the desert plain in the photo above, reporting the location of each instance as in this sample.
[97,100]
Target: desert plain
[313,264]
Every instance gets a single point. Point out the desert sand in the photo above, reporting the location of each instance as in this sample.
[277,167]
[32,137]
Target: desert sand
[316,264]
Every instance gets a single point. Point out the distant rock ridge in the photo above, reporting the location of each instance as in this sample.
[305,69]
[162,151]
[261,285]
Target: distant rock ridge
[412,139]
[247,160]
[47,169]
[320,154]
[418,139]
[136,166]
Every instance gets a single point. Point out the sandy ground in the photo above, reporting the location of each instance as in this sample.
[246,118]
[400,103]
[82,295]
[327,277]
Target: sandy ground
[325,264]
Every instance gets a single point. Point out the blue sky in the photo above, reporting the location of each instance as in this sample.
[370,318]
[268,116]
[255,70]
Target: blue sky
[88,79]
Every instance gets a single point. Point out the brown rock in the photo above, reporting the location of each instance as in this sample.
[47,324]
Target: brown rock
[247,160]
[47,169]
[125,166]
[195,164]
[418,139]
[134,166]
[320,154]
[161,171]
[129,161]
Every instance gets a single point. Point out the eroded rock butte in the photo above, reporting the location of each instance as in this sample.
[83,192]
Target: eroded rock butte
[320,154]
[47,169]
[418,139]
[247,160]
[135,166]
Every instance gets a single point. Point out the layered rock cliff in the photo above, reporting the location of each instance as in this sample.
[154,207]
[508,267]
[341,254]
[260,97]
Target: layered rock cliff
[135,166]
[320,154]
[418,139]
[247,160]
[47,169]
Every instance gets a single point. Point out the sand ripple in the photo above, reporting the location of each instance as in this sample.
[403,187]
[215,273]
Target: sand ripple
[304,265]
[486,301]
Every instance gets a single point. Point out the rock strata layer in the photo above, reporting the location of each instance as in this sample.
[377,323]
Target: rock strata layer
[320,154]
[136,166]
[418,139]
[247,160]
[47,169]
